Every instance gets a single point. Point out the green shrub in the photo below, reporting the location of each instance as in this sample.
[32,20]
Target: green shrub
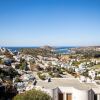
[18,79]
[32,95]
[42,77]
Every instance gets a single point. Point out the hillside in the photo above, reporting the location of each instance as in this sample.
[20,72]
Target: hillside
[37,51]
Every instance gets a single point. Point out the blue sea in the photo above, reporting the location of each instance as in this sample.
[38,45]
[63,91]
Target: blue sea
[60,50]
[63,50]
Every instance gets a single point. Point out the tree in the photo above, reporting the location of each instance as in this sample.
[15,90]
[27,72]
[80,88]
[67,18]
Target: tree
[32,95]
[23,64]
[41,76]
[18,79]
[85,73]
[1,61]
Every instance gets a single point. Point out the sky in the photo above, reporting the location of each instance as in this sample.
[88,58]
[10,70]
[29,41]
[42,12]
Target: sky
[49,22]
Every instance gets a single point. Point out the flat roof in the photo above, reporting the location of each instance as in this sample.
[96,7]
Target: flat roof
[62,82]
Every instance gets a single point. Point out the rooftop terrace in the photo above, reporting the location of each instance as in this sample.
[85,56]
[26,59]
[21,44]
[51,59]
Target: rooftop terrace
[65,82]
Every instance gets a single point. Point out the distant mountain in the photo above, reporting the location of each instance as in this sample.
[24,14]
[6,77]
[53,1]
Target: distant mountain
[47,47]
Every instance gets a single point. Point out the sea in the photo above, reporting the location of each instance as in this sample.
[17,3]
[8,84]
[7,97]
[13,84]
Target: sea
[60,50]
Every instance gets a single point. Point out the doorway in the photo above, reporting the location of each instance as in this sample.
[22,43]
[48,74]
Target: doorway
[69,96]
[60,96]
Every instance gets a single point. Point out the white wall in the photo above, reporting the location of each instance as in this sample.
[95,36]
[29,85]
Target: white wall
[80,94]
[48,91]
[76,94]
[55,94]
[98,97]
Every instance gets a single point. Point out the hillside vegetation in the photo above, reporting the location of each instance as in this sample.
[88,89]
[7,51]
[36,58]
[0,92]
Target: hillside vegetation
[37,51]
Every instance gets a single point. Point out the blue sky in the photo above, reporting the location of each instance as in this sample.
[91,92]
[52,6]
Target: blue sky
[49,22]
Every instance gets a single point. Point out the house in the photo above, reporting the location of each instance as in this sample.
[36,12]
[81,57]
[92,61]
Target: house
[54,63]
[92,73]
[2,56]
[26,77]
[70,89]
[28,57]
[1,66]
[96,91]
[14,64]
[3,50]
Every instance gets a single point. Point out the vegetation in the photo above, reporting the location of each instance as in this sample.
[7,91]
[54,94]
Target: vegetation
[1,61]
[51,74]
[41,76]
[96,66]
[22,65]
[76,63]
[70,71]
[37,51]
[85,73]
[88,53]
[8,92]
[18,79]
[8,72]
[32,95]
[8,55]
[97,78]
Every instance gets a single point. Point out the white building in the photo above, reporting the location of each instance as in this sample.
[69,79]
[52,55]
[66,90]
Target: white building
[70,89]
[17,58]
[92,73]
[3,50]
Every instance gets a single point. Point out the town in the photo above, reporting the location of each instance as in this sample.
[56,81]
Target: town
[75,76]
